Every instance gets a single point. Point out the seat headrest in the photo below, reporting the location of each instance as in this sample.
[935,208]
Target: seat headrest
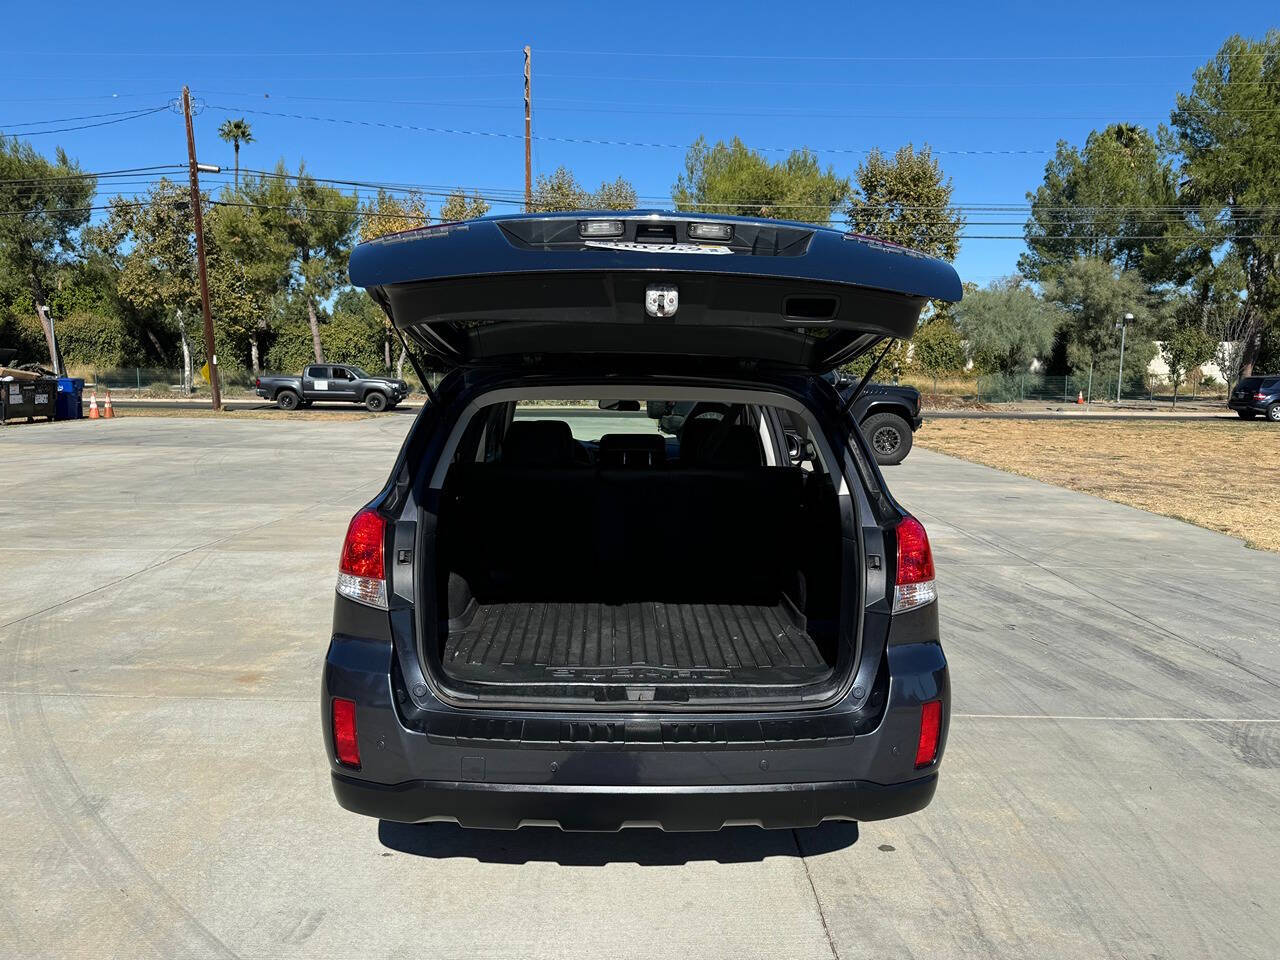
[704,443]
[632,450]
[538,443]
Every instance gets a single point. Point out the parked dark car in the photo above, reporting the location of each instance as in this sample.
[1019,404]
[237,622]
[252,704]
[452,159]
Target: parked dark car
[887,413]
[1254,396]
[587,622]
[336,382]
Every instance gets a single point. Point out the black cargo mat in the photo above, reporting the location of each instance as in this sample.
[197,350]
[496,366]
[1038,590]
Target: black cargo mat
[629,642]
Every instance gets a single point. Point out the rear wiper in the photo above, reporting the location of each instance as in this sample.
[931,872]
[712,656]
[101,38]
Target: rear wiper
[862,384]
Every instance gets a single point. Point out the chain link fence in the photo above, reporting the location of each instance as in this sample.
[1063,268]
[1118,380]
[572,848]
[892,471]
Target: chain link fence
[1007,388]
[163,382]
[1138,386]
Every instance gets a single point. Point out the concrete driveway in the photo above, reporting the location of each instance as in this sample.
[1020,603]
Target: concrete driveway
[1110,789]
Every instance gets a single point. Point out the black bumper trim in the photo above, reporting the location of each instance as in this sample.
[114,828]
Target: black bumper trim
[503,806]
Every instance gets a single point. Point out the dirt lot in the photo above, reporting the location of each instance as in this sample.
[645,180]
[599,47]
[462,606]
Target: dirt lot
[1218,475]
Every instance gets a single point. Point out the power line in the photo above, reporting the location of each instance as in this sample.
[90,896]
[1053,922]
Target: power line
[88,116]
[97,175]
[137,115]
[809,58]
[223,54]
[594,141]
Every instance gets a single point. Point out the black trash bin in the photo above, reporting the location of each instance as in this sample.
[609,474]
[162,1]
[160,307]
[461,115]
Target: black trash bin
[28,399]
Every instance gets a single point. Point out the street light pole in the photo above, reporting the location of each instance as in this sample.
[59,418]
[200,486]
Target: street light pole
[1123,326]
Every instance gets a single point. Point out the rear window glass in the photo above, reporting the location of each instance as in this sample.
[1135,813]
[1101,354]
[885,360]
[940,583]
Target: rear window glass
[659,433]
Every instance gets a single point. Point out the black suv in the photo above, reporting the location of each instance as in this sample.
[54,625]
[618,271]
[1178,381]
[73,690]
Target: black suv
[1257,395]
[590,621]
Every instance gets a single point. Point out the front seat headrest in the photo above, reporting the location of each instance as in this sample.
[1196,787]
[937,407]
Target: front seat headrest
[708,443]
[538,443]
[632,450]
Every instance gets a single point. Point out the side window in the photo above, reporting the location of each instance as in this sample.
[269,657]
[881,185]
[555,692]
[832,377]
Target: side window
[341,373]
[318,373]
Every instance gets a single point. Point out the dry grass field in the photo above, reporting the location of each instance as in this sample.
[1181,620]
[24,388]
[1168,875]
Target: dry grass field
[1218,474]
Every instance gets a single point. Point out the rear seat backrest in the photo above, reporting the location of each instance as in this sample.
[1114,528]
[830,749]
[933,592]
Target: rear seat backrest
[546,530]
[538,443]
[712,443]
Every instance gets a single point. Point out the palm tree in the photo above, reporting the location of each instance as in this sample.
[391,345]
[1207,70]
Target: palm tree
[236,132]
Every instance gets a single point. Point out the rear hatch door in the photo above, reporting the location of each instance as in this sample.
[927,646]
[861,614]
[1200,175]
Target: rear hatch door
[647,285]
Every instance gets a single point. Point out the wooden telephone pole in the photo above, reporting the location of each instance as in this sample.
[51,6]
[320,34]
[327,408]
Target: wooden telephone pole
[209,351]
[528,130]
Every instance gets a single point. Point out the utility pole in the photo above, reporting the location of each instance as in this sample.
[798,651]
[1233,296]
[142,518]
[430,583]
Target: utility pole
[55,357]
[209,350]
[528,129]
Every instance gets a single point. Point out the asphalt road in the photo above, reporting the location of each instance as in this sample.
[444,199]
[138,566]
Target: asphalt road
[1110,787]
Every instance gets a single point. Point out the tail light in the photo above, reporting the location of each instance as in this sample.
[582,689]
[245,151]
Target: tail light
[930,727]
[257,381]
[1259,396]
[915,584]
[345,745]
[361,571]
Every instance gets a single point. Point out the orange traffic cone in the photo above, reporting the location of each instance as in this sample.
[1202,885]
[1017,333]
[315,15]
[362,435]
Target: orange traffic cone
[107,412]
[93,405]
[1079,399]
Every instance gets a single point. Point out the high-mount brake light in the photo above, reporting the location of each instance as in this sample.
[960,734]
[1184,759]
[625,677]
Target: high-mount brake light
[599,228]
[362,569]
[914,586]
[698,230]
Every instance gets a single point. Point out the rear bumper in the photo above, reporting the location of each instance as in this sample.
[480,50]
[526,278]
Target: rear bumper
[1248,404]
[496,806]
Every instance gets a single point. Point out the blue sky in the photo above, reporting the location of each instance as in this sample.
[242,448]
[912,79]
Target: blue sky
[838,78]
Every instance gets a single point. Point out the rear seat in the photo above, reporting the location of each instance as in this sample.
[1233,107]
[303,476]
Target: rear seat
[536,527]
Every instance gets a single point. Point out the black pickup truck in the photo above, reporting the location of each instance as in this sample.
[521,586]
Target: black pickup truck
[332,381]
[887,413]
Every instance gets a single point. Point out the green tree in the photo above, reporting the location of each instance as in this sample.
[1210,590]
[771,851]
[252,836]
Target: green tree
[1095,297]
[387,213]
[458,206]
[356,333]
[1225,133]
[937,349]
[732,179]
[1103,203]
[1006,326]
[152,239]
[260,252]
[906,200]
[561,191]
[43,206]
[317,224]
[236,132]
[1185,347]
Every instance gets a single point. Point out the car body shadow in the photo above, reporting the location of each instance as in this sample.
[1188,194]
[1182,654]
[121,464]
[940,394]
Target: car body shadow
[643,846]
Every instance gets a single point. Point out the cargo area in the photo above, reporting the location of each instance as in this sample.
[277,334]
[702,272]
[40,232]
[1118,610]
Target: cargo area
[687,562]
[634,642]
